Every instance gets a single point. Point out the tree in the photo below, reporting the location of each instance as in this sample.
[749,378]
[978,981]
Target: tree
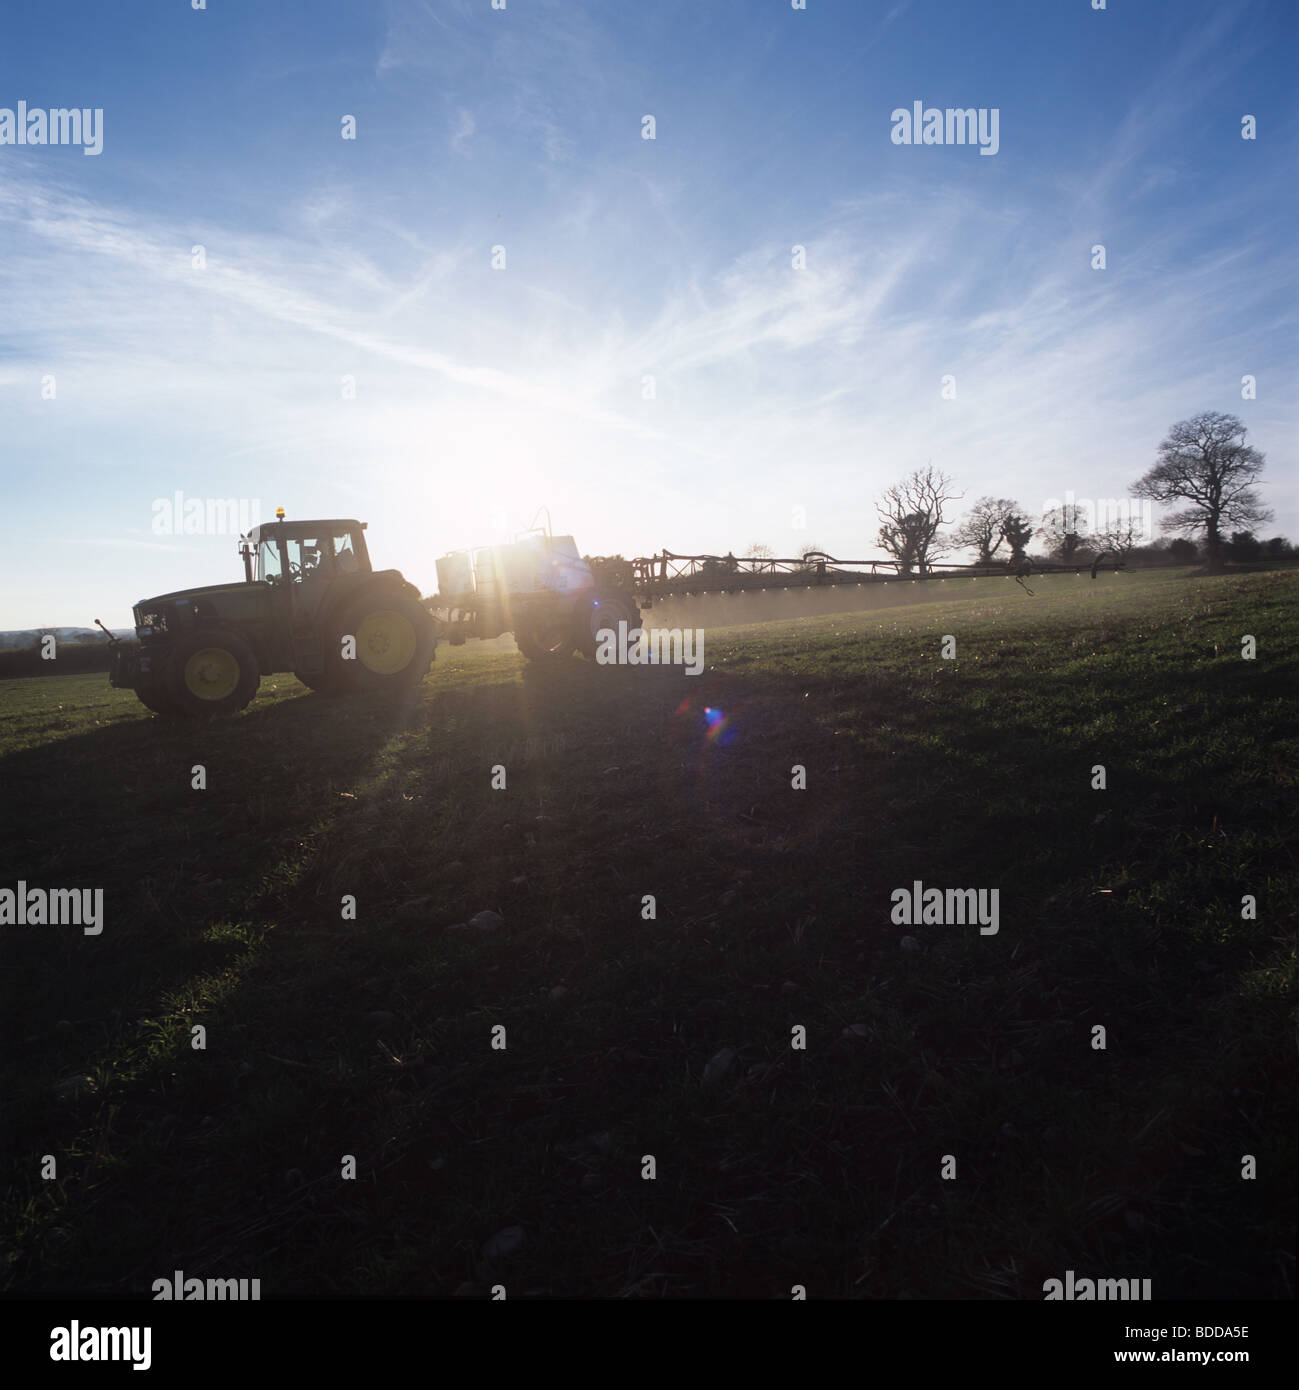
[1064,529]
[611,571]
[901,538]
[1120,538]
[980,528]
[911,513]
[811,548]
[759,550]
[989,526]
[1018,531]
[1206,463]
[1243,545]
[1183,551]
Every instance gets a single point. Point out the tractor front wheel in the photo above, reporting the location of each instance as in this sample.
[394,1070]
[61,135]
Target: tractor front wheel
[211,673]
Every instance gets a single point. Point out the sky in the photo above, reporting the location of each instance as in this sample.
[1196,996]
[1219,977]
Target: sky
[741,330]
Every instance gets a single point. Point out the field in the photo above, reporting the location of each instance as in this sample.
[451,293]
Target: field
[822,1166]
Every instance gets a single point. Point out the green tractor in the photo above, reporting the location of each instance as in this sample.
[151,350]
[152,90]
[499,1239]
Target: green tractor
[310,603]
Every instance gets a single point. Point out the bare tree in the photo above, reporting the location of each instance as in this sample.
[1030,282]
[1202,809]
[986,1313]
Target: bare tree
[911,513]
[1064,529]
[759,550]
[811,548]
[1120,537]
[984,528]
[1206,463]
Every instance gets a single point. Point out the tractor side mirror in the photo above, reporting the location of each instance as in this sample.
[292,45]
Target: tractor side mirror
[246,554]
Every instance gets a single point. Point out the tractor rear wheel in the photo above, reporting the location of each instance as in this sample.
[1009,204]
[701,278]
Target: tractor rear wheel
[211,672]
[395,638]
[602,610]
[546,635]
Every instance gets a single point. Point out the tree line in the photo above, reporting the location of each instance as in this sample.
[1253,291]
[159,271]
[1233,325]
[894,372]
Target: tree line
[1203,466]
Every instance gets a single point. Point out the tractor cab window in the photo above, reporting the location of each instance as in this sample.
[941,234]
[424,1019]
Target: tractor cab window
[345,555]
[269,566]
[310,557]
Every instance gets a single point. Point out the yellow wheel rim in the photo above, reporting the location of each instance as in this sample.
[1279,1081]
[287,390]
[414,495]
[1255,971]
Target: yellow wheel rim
[385,642]
[211,674]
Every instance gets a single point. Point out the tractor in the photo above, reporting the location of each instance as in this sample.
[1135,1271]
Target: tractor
[309,603]
[539,588]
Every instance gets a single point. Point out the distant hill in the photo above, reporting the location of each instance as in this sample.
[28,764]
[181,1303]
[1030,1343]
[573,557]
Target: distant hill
[72,636]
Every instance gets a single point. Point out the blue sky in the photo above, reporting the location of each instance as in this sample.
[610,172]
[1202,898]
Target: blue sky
[482,393]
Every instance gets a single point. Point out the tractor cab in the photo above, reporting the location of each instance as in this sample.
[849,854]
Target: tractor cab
[297,552]
[302,561]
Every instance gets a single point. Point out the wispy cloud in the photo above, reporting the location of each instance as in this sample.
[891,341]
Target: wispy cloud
[651,363]
[465,127]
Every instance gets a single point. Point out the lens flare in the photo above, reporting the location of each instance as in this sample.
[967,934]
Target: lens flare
[713,761]
[719,727]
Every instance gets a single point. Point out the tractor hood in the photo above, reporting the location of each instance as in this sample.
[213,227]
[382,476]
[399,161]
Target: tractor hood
[234,603]
[207,591]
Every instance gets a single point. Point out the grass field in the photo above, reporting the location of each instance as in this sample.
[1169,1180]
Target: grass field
[372,1037]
